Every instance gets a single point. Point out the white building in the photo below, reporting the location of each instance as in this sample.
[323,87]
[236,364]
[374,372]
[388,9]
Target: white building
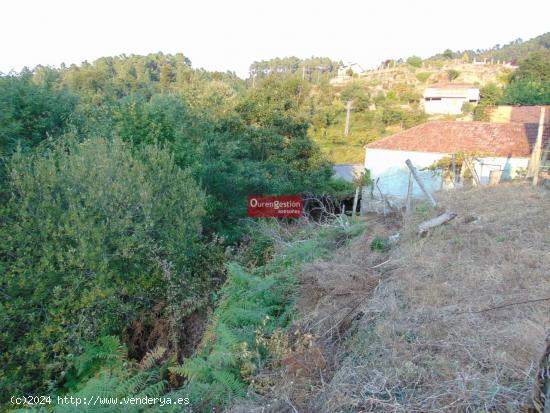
[449,98]
[505,147]
[353,68]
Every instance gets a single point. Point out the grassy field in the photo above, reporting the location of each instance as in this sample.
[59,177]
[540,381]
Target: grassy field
[348,149]
[442,323]
[364,128]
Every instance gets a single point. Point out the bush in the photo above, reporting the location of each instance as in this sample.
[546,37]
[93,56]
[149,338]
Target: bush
[93,236]
[415,61]
[490,94]
[482,112]
[423,76]
[467,107]
[452,74]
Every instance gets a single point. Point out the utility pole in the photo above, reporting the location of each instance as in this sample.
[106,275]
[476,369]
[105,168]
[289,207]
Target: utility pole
[348,112]
[453,168]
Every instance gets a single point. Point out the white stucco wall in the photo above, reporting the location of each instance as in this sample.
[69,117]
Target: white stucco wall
[509,167]
[390,167]
[447,105]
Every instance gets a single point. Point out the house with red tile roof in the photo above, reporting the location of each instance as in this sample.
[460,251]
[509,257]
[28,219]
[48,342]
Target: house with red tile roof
[505,147]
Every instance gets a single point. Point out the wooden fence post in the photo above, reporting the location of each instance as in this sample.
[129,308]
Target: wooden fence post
[534,162]
[472,170]
[348,114]
[453,166]
[408,203]
[420,183]
[355,199]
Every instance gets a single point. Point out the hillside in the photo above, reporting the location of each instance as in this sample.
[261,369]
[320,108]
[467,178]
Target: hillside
[518,49]
[387,99]
[450,322]
[515,51]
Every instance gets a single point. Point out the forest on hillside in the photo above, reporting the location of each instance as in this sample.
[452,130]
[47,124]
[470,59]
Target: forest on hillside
[514,51]
[123,228]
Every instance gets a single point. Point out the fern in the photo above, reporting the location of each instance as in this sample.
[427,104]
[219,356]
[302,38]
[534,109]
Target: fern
[214,373]
[235,387]
[154,390]
[152,357]
[250,300]
[112,375]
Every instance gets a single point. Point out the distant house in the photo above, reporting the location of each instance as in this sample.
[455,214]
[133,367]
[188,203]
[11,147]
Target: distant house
[501,146]
[449,98]
[353,68]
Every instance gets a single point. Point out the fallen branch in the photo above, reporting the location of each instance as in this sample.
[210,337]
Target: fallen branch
[379,265]
[435,222]
[536,300]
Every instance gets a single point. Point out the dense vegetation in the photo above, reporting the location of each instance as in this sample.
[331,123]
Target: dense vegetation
[123,187]
[528,85]
[122,182]
[514,52]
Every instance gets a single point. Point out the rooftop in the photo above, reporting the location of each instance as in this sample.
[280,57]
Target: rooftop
[453,86]
[497,139]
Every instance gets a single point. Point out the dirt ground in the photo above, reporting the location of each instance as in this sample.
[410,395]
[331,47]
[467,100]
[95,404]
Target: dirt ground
[450,322]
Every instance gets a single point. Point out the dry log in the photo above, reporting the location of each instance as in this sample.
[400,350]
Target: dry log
[435,222]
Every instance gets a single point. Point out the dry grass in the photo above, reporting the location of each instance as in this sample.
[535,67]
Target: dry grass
[420,332]
[427,341]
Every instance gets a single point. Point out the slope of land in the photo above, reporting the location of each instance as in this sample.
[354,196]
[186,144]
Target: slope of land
[518,50]
[440,323]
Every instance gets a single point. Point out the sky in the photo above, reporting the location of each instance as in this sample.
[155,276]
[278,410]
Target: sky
[230,35]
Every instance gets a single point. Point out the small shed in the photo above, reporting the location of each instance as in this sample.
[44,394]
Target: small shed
[449,98]
[505,147]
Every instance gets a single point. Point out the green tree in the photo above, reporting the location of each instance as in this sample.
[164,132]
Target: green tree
[452,74]
[530,83]
[415,61]
[355,91]
[448,54]
[96,237]
[30,112]
[490,94]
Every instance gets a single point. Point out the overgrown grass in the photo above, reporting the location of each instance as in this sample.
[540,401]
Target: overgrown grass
[347,149]
[254,303]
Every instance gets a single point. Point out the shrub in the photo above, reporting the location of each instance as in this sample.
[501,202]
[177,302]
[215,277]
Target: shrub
[415,61]
[379,244]
[467,107]
[93,236]
[452,74]
[482,113]
[423,76]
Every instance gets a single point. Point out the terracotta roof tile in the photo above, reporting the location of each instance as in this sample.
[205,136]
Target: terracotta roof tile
[498,139]
[529,114]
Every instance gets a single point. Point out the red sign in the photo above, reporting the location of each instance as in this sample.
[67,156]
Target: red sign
[288,206]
